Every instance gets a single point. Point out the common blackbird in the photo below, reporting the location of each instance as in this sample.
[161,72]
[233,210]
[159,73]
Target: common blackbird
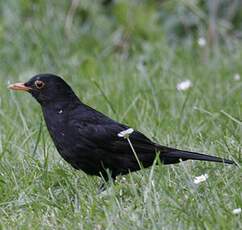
[88,139]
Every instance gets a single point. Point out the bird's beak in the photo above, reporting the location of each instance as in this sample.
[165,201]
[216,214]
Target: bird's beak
[19,87]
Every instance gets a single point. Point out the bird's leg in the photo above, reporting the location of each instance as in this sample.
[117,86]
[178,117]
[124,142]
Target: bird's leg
[107,180]
[102,187]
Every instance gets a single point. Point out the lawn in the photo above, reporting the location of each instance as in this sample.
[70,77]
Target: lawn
[121,63]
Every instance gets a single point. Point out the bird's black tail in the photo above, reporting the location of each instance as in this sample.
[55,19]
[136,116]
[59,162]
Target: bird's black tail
[171,156]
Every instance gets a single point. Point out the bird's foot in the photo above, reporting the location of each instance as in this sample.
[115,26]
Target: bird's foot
[102,187]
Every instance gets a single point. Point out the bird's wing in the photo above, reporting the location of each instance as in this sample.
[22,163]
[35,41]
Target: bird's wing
[106,135]
[100,129]
[100,136]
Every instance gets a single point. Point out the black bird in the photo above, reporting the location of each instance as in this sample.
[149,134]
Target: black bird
[88,139]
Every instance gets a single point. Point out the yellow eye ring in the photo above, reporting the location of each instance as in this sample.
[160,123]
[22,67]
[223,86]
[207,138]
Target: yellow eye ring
[39,84]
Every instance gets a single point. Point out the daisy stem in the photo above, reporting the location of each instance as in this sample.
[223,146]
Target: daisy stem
[133,150]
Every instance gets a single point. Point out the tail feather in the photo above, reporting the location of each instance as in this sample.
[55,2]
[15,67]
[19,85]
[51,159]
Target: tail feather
[175,156]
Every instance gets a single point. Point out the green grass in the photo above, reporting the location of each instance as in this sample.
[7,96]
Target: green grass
[126,69]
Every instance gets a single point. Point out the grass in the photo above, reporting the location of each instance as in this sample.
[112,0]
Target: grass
[129,71]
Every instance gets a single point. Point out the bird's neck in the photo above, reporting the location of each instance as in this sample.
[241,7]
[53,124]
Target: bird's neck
[56,117]
[59,106]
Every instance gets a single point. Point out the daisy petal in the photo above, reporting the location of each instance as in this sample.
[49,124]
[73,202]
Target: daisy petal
[236,211]
[184,85]
[199,179]
[236,77]
[201,41]
[126,133]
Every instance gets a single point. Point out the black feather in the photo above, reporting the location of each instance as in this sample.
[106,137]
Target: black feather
[88,140]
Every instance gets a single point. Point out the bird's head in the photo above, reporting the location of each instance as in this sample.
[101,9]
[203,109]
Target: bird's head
[46,89]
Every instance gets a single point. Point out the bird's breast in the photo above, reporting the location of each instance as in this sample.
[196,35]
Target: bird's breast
[56,123]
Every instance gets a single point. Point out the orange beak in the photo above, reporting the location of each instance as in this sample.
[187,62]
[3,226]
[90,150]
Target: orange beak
[19,87]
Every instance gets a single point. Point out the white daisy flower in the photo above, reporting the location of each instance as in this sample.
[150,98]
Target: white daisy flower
[236,211]
[202,41]
[126,133]
[184,85]
[199,179]
[237,77]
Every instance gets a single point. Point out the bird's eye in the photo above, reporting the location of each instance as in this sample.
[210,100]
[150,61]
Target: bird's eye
[39,84]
